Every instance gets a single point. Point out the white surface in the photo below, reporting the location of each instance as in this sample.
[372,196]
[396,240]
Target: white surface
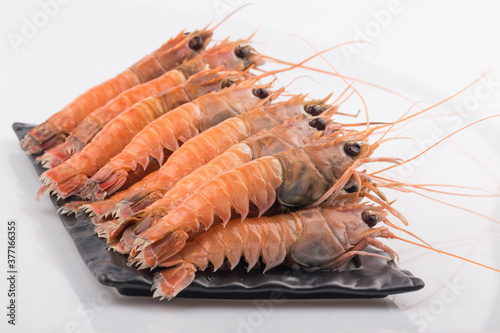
[428,51]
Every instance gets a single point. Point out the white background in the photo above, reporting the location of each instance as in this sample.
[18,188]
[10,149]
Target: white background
[428,51]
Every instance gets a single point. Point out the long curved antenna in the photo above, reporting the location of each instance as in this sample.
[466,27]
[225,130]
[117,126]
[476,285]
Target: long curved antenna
[364,124]
[345,99]
[446,99]
[445,253]
[292,65]
[343,79]
[393,92]
[344,92]
[389,183]
[396,122]
[402,187]
[300,77]
[228,16]
[392,225]
[459,207]
[387,207]
[434,145]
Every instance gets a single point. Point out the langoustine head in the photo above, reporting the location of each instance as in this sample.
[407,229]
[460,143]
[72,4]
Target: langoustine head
[237,54]
[227,55]
[332,235]
[313,171]
[234,100]
[184,46]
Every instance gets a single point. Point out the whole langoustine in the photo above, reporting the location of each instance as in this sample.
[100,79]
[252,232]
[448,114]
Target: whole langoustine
[296,132]
[164,135]
[291,179]
[318,238]
[170,55]
[71,176]
[203,148]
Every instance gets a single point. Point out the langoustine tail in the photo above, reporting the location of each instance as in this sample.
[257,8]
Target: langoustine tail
[115,181]
[60,124]
[40,138]
[170,282]
[137,219]
[100,209]
[61,152]
[111,206]
[127,238]
[72,207]
[147,254]
[138,201]
[102,228]
[124,233]
[63,181]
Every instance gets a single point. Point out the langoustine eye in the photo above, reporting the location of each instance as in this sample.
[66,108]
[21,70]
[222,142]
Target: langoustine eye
[318,123]
[196,43]
[241,52]
[352,149]
[314,109]
[261,93]
[227,83]
[370,218]
[352,188]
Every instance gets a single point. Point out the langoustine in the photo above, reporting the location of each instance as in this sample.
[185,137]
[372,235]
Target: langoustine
[170,55]
[317,238]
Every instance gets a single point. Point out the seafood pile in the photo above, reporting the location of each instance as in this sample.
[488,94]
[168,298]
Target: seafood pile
[189,160]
